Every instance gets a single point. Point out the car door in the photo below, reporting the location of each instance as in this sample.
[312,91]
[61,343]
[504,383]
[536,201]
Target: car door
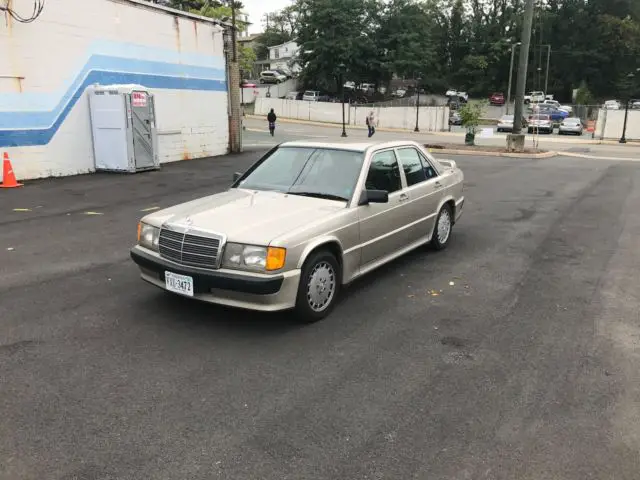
[383,225]
[424,191]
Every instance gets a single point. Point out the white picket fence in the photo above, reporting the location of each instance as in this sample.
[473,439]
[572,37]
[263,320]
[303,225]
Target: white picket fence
[431,119]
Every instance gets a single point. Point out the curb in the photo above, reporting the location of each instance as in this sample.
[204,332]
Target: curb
[591,141]
[487,153]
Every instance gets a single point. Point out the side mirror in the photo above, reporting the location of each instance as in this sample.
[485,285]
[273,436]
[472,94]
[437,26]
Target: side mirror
[236,176]
[373,196]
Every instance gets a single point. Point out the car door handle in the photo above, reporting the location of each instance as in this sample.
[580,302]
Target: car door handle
[438,185]
[404,197]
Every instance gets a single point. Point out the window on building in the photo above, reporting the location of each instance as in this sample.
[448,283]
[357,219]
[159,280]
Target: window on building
[277,53]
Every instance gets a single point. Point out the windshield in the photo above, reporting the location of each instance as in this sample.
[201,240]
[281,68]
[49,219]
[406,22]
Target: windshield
[322,172]
[309,93]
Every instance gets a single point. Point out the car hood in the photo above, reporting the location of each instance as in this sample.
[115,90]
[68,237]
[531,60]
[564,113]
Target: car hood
[247,216]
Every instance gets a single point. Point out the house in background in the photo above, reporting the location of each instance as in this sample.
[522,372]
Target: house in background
[285,57]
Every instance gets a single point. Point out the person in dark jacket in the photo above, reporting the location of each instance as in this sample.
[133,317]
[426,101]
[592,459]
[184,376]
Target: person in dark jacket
[271,118]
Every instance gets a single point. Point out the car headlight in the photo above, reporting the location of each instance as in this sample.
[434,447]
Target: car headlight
[148,236]
[251,257]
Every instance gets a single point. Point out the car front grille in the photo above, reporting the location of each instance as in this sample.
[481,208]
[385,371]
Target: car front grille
[189,249]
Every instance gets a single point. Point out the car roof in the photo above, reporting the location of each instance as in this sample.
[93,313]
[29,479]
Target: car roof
[352,146]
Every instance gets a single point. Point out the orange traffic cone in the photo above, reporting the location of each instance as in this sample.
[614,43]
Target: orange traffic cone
[8,177]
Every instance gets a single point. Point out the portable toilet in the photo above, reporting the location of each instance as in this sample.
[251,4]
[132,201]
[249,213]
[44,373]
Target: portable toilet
[123,127]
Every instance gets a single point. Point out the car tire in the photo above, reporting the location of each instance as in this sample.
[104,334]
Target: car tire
[442,229]
[320,271]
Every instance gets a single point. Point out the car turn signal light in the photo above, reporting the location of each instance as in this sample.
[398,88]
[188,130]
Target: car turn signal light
[139,231]
[276,257]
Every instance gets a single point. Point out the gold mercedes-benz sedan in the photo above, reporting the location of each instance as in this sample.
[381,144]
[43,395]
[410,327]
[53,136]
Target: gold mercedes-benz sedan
[303,221]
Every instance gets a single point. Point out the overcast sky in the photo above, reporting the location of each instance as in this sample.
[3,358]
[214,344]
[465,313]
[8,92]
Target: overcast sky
[258,8]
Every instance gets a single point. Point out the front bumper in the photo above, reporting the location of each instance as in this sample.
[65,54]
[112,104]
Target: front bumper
[253,291]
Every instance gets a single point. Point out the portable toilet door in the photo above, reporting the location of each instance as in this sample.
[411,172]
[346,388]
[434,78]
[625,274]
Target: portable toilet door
[141,113]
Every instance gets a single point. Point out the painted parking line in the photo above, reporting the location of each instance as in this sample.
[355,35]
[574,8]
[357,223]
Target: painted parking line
[22,210]
[93,213]
[150,209]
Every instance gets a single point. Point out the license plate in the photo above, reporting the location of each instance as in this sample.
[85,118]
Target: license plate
[181,284]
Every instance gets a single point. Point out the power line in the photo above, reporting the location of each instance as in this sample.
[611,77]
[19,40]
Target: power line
[38,6]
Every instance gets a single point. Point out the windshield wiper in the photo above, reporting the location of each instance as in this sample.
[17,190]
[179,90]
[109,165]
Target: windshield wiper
[326,196]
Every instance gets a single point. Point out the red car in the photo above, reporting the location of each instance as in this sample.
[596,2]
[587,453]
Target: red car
[497,99]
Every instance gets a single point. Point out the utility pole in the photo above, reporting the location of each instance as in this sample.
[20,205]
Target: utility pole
[235,116]
[521,82]
[546,79]
[513,51]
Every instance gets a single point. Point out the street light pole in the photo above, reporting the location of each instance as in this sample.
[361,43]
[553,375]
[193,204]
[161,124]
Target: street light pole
[513,51]
[342,69]
[417,129]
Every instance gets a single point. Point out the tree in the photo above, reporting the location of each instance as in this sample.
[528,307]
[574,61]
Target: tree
[332,32]
[246,58]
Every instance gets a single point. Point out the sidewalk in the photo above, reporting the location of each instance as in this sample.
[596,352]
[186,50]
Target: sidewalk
[500,137]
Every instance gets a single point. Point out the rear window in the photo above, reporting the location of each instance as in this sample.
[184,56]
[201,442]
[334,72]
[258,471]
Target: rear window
[267,74]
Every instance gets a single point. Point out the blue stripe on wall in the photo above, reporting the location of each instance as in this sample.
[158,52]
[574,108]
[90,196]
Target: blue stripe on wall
[27,135]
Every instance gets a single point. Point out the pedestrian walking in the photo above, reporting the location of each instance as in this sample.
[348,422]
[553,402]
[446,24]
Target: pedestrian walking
[271,118]
[371,123]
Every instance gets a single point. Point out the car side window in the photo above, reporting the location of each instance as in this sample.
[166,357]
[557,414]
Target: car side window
[413,167]
[384,173]
[429,171]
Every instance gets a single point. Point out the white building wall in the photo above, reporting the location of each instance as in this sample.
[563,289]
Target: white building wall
[610,124]
[46,66]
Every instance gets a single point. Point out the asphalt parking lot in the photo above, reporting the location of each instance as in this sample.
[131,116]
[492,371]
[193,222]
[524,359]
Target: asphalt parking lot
[513,354]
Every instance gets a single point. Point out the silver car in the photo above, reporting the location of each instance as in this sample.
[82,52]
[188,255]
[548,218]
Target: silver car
[570,126]
[505,124]
[540,123]
[303,221]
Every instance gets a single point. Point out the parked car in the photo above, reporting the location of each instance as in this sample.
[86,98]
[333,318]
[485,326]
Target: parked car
[634,104]
[455,119]
[497,99]
[400,93]
[571,125]
[534,97]
[540,123]
[556,104]
[294,96]
[271,76]
[285,73]
[505,124]
[279,240]
[247,84]
[557,115]
[349,86]
[311,95]
[455,93]
[612,105]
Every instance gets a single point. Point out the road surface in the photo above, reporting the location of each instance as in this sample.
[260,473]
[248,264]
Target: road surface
[513,354]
